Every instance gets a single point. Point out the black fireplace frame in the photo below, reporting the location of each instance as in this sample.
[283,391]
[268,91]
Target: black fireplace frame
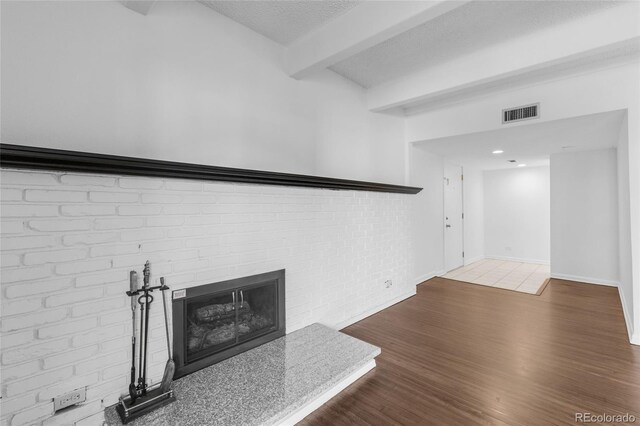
[180,299]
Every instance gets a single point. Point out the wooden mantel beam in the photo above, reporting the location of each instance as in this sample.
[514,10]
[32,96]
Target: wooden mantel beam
[36,158]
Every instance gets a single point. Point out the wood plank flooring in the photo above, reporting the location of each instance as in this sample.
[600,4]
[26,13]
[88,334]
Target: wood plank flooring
[465,354]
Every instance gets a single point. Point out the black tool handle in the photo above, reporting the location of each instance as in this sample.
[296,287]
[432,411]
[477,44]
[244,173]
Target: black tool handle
[148,300]
[132,386]
[142,341]
[133,278]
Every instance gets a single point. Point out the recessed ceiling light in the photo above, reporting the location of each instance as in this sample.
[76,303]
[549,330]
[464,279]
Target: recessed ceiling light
[498,151]
[521,165]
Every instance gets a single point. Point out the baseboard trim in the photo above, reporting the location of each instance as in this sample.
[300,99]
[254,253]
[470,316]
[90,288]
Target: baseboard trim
[517,259]
[375,310]
[424,277]
[587,280]
[313,405]
[627,315]
[472,260]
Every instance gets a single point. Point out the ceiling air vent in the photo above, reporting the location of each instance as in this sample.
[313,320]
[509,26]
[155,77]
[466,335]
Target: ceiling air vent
[526,112]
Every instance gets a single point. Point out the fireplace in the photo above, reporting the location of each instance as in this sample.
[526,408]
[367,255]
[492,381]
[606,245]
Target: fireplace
[213,322]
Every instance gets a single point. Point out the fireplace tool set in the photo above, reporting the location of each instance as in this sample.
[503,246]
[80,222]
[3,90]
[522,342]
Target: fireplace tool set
[143,399]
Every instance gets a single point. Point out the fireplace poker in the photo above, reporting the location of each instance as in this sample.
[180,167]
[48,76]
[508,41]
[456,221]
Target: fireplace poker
[140,386]
[133,278]
[145,305]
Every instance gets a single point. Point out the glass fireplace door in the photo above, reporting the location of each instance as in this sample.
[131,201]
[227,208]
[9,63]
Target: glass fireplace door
[210,324]
[257,310]
[213,322]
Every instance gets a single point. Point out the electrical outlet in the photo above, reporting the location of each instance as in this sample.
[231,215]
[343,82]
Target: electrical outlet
[68,399]
[388,284]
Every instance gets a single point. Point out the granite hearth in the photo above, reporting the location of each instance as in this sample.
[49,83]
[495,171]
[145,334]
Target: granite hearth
[274,384]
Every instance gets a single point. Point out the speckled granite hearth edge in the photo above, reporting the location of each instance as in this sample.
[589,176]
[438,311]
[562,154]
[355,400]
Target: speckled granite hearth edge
[278,382]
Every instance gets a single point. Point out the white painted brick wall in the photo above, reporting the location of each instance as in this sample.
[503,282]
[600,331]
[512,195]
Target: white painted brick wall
[70,240]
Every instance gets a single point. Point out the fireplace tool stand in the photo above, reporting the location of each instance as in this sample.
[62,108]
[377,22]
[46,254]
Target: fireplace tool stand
[142,399]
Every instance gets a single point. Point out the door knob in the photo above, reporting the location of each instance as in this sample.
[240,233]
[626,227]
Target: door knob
[448,226]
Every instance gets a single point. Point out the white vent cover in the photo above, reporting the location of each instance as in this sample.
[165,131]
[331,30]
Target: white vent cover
[526,112]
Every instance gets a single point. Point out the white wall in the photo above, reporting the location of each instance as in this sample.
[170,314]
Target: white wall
[516,214]
[625,285]
[584,217]
[182,83]
[473,205]
[427,171]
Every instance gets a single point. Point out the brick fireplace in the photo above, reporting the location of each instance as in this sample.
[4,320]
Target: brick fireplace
[69,241]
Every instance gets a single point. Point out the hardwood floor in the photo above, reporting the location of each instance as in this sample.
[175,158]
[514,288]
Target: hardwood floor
[458,353]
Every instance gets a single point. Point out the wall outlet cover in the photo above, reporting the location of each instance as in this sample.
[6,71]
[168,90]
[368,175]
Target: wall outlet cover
[70,398]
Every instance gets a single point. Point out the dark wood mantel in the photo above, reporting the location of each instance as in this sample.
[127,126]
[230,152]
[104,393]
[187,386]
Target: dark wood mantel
[36,158]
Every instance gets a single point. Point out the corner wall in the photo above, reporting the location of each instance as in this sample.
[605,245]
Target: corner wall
[584,218]
[473,206]
[516,214]
[427,171]
[625,285]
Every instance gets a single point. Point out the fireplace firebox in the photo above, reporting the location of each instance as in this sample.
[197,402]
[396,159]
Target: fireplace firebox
[216,321]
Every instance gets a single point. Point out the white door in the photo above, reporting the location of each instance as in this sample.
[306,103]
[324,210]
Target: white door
[453,222]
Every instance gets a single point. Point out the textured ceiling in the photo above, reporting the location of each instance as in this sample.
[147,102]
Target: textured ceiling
[461,31]
[531,143]
[281,21]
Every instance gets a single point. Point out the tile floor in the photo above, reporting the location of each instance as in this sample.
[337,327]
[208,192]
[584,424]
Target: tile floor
[516,276]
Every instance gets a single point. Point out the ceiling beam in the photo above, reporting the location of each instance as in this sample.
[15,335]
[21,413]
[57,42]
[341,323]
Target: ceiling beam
[358,29]
[140,6]
[523,60]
